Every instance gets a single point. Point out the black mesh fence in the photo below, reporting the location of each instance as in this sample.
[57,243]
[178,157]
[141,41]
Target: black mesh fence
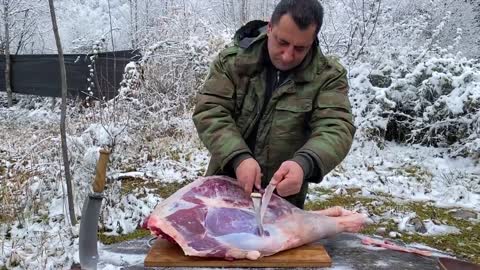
[40,74]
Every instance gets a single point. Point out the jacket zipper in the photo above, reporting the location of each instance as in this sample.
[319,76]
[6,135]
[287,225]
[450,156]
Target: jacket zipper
[278,79]
[257,108]
[287,80]
[252,120]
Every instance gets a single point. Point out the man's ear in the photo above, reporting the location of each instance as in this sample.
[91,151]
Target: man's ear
[269,28]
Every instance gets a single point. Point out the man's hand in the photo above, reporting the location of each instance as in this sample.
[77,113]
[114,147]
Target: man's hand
[288,178]
[248,174]
[335,211]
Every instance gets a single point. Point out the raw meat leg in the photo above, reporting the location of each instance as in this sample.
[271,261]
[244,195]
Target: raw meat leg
[346,220]
[213,217]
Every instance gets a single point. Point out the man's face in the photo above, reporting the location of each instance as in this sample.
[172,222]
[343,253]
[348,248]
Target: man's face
[287,44]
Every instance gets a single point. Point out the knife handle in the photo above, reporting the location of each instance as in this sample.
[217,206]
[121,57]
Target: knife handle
[256,195]
[101,171]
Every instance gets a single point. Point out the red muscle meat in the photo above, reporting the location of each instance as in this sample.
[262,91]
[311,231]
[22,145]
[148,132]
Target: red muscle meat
[214,217]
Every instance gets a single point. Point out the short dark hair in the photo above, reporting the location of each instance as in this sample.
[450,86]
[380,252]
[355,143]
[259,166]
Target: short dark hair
[303,12]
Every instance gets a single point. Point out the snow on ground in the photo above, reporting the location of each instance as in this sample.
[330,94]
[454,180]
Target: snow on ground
[41,237]
[410,173]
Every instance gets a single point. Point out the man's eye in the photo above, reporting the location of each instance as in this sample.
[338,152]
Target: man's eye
[282,42]
[300,49]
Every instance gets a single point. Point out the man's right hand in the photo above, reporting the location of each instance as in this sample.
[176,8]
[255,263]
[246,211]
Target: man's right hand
[249,174]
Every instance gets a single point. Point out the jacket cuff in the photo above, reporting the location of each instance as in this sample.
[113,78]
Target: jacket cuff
[238,159]
[306,162]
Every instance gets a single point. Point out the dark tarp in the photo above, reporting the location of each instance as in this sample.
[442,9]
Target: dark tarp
[40,74]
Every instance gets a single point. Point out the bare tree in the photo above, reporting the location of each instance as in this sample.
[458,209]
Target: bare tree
[27,30]
[364,15]
[231,5]
[6,18]
[63,135]
[265,9]
[244,12]
[113,43]
[134,22]
[19,26]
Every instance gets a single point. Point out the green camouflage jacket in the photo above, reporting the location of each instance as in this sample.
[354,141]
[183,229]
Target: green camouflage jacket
[308,113]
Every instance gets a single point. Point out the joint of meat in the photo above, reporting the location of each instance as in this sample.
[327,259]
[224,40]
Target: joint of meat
[214,217]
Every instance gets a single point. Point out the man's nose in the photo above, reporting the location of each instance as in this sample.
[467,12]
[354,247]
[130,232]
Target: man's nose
[287,55]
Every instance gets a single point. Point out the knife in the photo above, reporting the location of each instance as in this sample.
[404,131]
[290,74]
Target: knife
[267,195]
[257,201]
[88,250]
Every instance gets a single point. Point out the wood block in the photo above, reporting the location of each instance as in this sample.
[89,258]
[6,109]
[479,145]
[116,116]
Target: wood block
[166,254]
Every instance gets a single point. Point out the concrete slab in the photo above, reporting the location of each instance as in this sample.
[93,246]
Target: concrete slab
[346,251]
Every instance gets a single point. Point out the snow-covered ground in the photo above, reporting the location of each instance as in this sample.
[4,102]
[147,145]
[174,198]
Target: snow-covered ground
[417,70]
[33,193]
[410,173]
[436,91]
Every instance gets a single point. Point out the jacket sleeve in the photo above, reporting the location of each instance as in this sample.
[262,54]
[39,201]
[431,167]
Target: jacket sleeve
[213,115]
[331,123]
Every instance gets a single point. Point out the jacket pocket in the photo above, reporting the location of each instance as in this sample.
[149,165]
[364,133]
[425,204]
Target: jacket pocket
[333,105]
[247,111]
[290,118]
[333,99]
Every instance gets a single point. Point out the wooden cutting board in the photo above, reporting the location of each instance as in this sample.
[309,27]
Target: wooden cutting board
[166,254]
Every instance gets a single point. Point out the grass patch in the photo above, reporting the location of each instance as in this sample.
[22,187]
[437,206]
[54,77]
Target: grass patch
[417,172]
[465,245]
[174,154]
[12,194]
[4,220]
[137,186]
[164,190]
[179,155]
[348,201]
[112,239]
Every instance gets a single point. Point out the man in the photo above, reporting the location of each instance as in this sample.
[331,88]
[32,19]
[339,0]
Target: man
[274,107]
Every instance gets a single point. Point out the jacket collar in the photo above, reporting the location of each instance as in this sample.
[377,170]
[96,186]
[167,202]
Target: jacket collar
[251,60]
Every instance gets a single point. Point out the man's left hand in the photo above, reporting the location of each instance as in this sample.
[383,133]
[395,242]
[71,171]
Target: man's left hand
[288,178]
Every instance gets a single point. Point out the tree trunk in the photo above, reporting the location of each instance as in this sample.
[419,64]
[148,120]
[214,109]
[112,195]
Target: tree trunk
[147,14]
[224,10]
[113,46]
[264,9]
[63,135]
[134,22]
[232,12]
[136,25]
[8,85]
[243,12]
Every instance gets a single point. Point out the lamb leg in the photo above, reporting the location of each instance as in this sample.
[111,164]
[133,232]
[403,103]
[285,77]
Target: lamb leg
[346,220]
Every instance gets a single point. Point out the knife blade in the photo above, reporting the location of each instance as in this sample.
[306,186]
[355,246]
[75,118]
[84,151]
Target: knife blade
[257,201]
[267,195]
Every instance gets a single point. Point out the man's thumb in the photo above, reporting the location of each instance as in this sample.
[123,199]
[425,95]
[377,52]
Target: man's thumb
[279,175]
